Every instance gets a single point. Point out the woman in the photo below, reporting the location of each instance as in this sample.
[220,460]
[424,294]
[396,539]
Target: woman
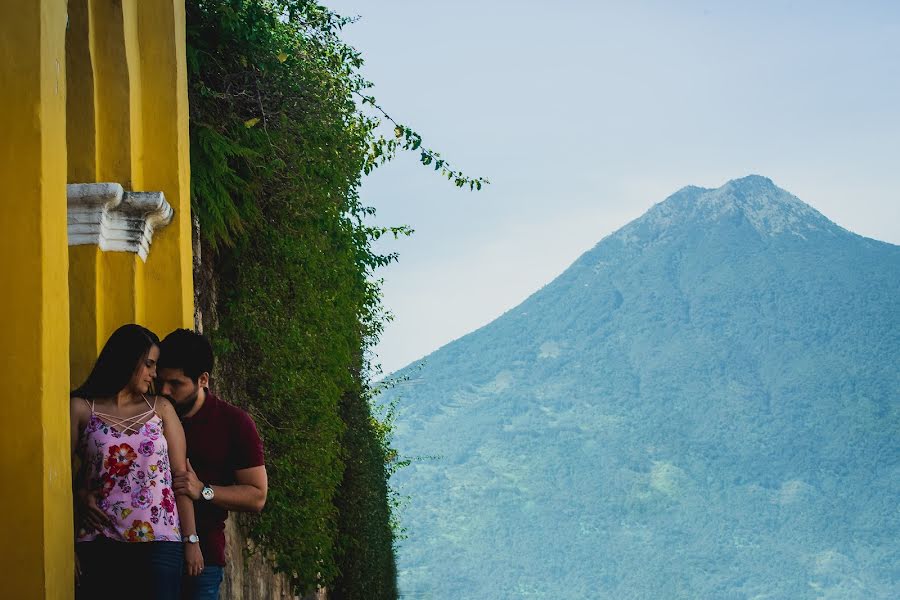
[130,541]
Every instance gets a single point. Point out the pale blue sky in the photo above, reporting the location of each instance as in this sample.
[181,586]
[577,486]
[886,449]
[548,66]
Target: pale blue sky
[584,114]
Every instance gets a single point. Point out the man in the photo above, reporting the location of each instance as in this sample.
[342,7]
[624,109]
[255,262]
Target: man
[225,467]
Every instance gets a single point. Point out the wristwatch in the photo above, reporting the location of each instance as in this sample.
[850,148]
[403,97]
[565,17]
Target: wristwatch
[207,493]
[191,539]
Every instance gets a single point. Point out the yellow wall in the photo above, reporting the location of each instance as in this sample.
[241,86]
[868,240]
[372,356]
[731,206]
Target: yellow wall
[125,121]
[128,121]
[82,143]
[106,290]
[169,270]
[86,302]
[34,362]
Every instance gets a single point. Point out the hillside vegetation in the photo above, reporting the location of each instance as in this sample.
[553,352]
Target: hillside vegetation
[702,406]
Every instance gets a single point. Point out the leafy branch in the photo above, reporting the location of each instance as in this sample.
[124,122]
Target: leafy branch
[405,138]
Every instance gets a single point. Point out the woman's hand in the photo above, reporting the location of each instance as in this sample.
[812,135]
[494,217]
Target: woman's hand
[88,511]
[193,559]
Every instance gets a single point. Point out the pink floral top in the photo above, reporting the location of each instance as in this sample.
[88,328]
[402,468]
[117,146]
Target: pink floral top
[130,472]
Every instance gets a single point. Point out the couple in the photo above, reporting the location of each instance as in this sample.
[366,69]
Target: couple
[158,473]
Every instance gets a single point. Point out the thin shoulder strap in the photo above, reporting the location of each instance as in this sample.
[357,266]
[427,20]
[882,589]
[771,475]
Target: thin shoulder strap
[91,404]
[152,406]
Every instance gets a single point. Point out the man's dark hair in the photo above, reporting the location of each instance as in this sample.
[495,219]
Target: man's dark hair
[186,350]
[117,362]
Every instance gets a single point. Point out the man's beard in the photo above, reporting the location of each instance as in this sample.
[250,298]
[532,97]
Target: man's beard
[183,408]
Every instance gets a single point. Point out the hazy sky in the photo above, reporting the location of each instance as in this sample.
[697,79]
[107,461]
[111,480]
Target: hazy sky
[584,114]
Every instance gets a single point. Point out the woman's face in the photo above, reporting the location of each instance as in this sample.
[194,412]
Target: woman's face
[145,373]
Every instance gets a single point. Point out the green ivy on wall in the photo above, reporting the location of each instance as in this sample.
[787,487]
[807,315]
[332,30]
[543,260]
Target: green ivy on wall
[282,131]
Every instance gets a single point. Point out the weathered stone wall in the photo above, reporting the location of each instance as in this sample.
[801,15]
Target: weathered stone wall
[248,576]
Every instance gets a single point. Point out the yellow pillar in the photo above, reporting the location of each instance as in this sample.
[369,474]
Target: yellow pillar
[128,68]
[80,126]
[166,162]
[135,92]
[122,286]
[112,91]
[110,234]
[34,367]
[104,82]
[107,291]
[86,302]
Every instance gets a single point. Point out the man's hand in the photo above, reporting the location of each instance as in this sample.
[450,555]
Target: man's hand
[193,559]
[88,511]
[185,483]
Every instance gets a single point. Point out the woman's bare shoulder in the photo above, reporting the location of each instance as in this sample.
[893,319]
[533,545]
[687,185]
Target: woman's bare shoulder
[79,405]
[79,410]
[163,407]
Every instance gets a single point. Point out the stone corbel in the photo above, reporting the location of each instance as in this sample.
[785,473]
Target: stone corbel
[105,215]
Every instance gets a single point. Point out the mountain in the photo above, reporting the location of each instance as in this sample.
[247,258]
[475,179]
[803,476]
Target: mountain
[704,405]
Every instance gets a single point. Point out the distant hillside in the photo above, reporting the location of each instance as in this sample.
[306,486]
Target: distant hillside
[705,405]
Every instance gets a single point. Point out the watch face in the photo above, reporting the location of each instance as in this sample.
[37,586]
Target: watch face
[207,493]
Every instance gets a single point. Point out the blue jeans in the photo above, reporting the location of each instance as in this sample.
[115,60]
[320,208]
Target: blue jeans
[204,586]
[134,570]
[166,561]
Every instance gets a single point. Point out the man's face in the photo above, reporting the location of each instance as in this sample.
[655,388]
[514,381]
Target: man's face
[178,388]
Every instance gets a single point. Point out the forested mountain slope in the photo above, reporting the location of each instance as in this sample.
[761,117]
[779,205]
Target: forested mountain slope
[704,405]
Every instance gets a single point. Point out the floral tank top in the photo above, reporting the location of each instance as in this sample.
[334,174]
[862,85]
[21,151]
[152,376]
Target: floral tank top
[127,466]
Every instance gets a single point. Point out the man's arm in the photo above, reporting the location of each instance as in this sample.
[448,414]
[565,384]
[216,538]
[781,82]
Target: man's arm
[248,494]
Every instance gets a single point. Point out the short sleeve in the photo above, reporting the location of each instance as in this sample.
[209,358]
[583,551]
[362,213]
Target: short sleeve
[247,450]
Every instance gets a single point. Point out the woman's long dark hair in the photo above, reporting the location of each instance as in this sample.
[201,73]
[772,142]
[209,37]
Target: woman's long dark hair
[117,362]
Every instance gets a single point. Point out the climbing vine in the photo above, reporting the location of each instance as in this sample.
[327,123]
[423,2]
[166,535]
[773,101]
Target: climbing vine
[283,128]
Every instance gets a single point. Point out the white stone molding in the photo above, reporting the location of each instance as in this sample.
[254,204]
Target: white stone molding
[105,215]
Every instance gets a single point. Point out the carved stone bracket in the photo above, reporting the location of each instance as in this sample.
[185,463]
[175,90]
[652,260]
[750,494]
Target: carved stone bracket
[107,216]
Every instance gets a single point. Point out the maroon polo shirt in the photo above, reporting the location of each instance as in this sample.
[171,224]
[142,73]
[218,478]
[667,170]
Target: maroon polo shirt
[221,439]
